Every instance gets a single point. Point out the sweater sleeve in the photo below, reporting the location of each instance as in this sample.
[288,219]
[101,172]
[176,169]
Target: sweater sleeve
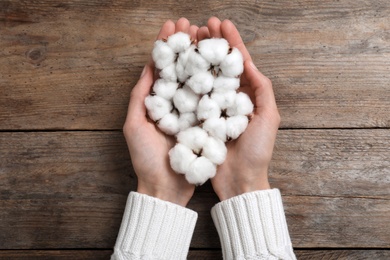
[154,229]
[253,226]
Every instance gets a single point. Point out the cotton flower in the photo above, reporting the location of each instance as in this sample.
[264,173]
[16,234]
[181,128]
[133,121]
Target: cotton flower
[157,107]
[179,42]
[185,100]
[201,83]
[208,108]
[165,89]
[200,170]
[214,50]
[169,124]
[216,127]
[162,54]
[233,64]
[242,105]
[235,126]
[180,158]
[214,150]
[193,137]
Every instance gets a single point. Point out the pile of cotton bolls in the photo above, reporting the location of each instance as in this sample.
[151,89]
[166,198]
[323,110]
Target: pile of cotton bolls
[196,100]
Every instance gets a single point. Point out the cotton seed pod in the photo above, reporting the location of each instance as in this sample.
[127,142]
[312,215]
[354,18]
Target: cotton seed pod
[216,127]
[179,42]
[157,107]
[235,126]
[187,120]
[208,108]
[214,50]
[165,89]
[242,105]
[169,73]
[193,137]
[162,54]
[233,64]
[200,170]
[169,124]
[214,150]
[201,83]
[196,63]
[224,99]
[185,100]
[180,158]
[222,84]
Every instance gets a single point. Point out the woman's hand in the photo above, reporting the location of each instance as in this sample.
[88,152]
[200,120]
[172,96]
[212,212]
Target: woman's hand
[147,145]
[246,166]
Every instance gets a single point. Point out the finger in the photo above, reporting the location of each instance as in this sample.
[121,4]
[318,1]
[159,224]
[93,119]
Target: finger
[261,86]
[214,25]
[137,109]
[231,34]
[166,30]
[203,33]
[193,31]
[182,25]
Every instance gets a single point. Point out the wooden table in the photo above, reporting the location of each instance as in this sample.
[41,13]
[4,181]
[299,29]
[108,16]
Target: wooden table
[66,71]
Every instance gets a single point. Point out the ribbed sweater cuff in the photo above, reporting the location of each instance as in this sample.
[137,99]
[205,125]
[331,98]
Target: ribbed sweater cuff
[253,226]
[154,229]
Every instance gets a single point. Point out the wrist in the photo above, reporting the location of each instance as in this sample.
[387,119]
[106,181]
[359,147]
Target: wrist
[240,187]
[176,197]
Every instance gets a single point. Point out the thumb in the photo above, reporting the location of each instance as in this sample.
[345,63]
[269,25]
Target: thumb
[261,86]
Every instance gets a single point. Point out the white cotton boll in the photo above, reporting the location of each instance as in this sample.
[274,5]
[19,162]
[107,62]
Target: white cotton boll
[214,150]
[195,63]
[214,50]
[179,42]
[194,138]
[157,107]
[216,127]
[169,73]
[233,64]
[242,105]
[169,124]
[180,158]
[208,108]
[165,89]
[222,84]
[162,54]
[224,99]
[181,74]
[185,100]
[187,120]
[201,170]
[201,83]
[235,126]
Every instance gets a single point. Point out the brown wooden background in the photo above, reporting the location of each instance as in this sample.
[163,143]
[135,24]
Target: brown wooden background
[66,71]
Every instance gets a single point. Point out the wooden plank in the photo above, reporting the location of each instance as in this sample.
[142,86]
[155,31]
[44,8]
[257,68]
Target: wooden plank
[343,254]
[192,255]
[55,254]
[75,62]
[68,189]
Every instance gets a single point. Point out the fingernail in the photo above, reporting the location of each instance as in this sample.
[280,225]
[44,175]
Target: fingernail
[143,72]
[253,65]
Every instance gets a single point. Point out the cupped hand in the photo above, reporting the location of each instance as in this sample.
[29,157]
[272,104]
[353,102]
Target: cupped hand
[147,145]
[246,166]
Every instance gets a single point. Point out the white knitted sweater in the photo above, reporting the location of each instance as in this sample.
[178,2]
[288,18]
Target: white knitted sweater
[250,226]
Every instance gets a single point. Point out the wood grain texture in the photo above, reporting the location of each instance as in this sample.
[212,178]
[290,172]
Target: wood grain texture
[71,65]
[68,190]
